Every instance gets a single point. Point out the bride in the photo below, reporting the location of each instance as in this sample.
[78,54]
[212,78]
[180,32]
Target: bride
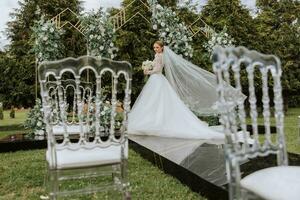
[161,108]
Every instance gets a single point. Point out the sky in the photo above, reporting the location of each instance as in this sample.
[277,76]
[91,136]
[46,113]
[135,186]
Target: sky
[7,6]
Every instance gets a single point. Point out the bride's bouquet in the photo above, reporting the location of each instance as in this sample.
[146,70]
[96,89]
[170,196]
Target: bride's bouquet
[147,65]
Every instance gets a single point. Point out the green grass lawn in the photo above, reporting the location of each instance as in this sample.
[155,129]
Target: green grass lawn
[20,116]
[291,129]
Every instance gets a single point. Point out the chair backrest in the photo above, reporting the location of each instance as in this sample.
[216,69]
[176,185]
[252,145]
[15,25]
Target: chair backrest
[68,88]
[72,101]
[234,66]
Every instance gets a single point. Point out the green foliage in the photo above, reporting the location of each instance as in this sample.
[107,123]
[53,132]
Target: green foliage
[34,119]
[17,64]
[232,14]
[278,26]
[210,120]
[172,31]
[221,38]
[47,40]
[99,34]
[134,41]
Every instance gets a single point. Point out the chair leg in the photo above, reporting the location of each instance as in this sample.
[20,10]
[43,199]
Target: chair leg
[53,185]
[124,182]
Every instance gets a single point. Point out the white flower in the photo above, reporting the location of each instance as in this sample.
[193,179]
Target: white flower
[158,6]
[51,30]
[167,29]
[154,27]
[105,108]
[45,38]
[39,124]
[111,44]
[162,24]
[101,48]
[102,113]
[44,28]
[163,34]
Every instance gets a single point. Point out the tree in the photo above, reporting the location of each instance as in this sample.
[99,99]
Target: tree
[237,19]
[135,40]
[278,25]
[19,61]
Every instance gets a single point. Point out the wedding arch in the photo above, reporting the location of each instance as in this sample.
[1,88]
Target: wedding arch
[175,33]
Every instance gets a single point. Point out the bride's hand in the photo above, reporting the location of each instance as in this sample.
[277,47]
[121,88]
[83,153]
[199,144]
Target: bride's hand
[146,72]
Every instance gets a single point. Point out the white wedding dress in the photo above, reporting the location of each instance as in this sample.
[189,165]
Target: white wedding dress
[159,111]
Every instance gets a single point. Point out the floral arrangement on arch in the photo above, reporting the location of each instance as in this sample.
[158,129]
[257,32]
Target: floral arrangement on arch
[47,40]
[222,39]
[171,31]
[105,114]
[100,34]
[34,119]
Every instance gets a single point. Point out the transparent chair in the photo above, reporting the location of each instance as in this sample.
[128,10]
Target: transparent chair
[92,155]
[279,182]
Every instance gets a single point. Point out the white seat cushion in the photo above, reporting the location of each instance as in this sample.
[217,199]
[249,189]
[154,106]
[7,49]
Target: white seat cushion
[275,183]
[67,158]
[71,129]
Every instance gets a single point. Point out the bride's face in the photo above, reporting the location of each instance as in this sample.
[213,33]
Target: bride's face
[157,48]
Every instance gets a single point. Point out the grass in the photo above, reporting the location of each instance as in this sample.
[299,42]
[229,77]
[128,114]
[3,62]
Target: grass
[9,126]
[22,177]
[20,116]
[291,129]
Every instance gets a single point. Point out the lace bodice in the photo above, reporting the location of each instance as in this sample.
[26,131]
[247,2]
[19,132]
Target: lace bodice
[157,64]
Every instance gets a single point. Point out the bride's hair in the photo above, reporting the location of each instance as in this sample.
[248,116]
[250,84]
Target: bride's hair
[160,43]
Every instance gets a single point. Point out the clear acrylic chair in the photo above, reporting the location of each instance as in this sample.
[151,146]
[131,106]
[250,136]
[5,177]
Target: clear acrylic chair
[232,66]
[90,152]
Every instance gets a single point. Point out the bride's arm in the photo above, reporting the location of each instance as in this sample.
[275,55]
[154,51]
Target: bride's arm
[157,65]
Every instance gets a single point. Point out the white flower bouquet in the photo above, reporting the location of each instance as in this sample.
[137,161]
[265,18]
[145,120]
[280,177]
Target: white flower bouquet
[147,65]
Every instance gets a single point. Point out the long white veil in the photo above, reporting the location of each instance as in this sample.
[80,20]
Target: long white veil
[195,86]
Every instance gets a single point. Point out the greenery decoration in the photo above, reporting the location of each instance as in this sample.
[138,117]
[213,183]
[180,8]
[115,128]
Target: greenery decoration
[48,44]
[34,119]
[221,39]
[99,34]
[171,31]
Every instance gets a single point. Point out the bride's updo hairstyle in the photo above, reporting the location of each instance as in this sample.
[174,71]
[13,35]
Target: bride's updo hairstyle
[160,43]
